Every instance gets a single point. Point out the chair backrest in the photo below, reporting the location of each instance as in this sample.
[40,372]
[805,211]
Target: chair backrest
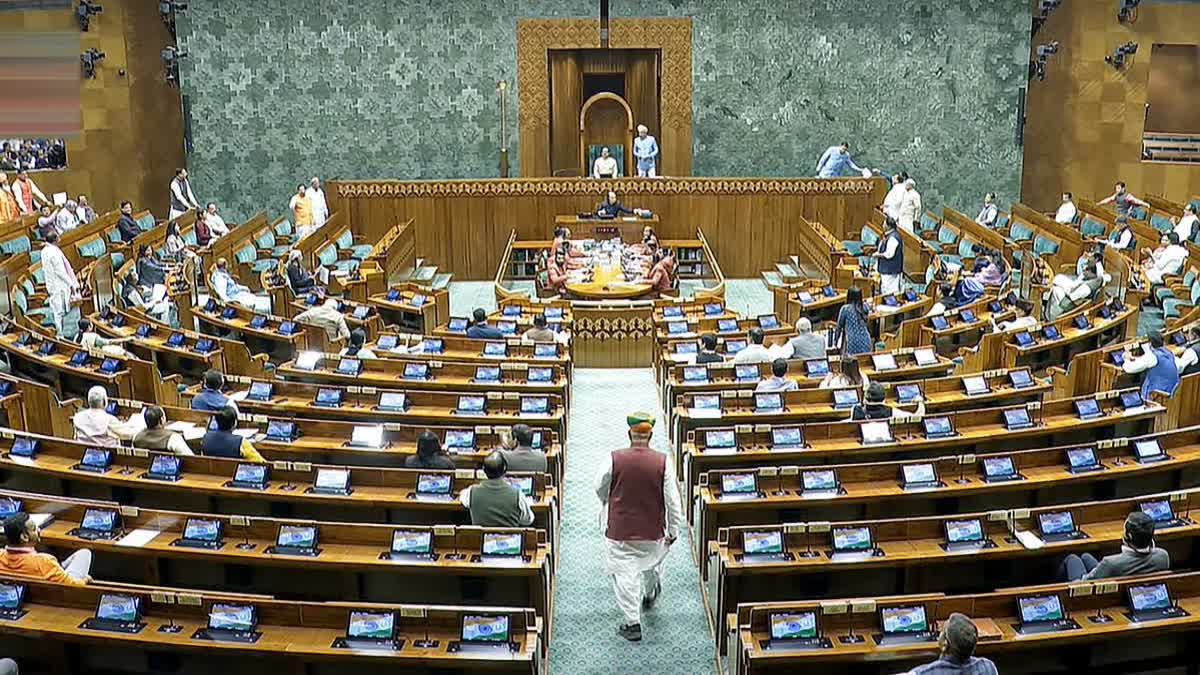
[966,248]
[146,222]
[1090,227]
[189,238]
[930,273]
[928,222]
[265,239]
[1001,221]
[617,152]
[1160,222]
[35,256]
[1044,246]
[1196,292]
[92,248]
[284,228]
[17,245]
[19,299]
[114,235]
[246,254]
[1020,232]
[39,275]
[869,238]
[1137,213]
[27,284]
[327,255]
[946,235]
[345,240]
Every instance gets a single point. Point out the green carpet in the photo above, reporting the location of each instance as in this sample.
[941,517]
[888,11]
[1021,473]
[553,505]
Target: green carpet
[676,637]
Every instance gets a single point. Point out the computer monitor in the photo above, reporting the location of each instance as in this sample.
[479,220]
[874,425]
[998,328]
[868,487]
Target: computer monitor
[925,356]
[487,373]
[746,372]
[713,309]
[1017,418]
[999,468]
[908,393]
[1050,332]
[434,483]
[1149,597]
[545,350]
[412,542]
[851,539]
[768,402]
[495,349]
[1020,379]
[229,617]
[677,327]
[288,328]
[433,345]
[202,529]
[175,340]
[505,544]
[1088,408]
[387,342]
[939,322]
[485,629]
[471,404]
[845,398]
[787,437]
[535,405]
[734,346]
[883,361]
[250,474]
[371,626]
[1081,322]
[506,327]
[11,596]
[1081,459]
[351,367]
[727,325]
[903,620]
[329,397]
[695,374]
[768,321]
[393,401]
[1131,400]
[308,360]
[522,483]
[685,348]
[1056,523]
[165,466]
[965,531]
[816,368]
[97,459]
[787,626]
[99,520]
[975,385]
[706,401]
[297,536]
[762,543]
[924,473]
[335,480]
[1024,339]
[876,431]
[819,480]
[1040,609]
[460,439]
[119,607]
[938,426]
[110,366]
[742,483]
[720,438]
[79,359]
[416,371]
[1148,450]
[539,375]
[967,316]
[1159,510]
[260,391]
[9,506]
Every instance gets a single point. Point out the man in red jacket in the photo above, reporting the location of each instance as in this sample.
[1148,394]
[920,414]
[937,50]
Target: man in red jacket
[643,520]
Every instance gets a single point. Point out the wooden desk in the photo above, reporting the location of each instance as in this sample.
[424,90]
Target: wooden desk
[911,554]
[231,357]
[1155,644]
[134,377]
[348,550]
[872,490]
[977,431]
[268,338]
[293,633]
[627,228]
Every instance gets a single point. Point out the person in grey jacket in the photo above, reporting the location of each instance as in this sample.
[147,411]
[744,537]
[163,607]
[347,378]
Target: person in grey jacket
[1138,555]
[807,345]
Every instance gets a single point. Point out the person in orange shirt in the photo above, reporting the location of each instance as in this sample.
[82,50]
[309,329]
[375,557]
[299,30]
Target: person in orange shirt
[556,276]
[662,275]
[8,203]
[20,557]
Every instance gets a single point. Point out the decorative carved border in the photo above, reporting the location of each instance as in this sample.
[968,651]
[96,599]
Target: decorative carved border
[627,186]
[535,37]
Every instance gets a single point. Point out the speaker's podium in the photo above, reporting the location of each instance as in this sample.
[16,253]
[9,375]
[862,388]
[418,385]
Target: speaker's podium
[628,228]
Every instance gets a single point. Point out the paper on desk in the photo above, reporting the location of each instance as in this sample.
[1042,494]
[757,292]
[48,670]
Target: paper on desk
[245,433]
[41,519]
[60,198]
[139,537]
[1029,540]
[689,359]
[23,461]
[239,395]
[704,413]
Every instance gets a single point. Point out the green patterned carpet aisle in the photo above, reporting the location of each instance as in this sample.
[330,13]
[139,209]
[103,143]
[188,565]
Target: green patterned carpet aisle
[676,638]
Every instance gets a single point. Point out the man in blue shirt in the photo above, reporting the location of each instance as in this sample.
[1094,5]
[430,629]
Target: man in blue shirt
[210,398]
[479,328]
[835,161]
[645,150]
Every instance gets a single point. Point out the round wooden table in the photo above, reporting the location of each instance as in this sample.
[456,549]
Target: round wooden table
[608,283]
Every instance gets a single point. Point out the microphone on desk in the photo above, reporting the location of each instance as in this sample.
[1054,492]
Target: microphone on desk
[246,545]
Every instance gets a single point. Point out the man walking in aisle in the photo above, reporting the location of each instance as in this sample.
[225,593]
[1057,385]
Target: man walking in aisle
[643,521]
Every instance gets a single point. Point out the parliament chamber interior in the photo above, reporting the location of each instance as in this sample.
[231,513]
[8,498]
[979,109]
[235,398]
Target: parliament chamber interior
[596,336]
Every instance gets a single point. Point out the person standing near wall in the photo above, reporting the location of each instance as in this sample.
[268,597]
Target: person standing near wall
[645,150]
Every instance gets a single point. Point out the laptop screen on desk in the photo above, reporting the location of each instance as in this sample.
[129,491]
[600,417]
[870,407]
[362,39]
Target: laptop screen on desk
[852,539]
[502,543]
[115,607]
[723,438]
[485,628]
[232,617]
[202,529]
[1040,608]
[1057,522]
[783,437]
[1153,596]
[371,625]
[793,625]
[900,620]
[301,536]
[757,543]
[962,531]
[820,479]
[433,484]
[739,483]
[418,542]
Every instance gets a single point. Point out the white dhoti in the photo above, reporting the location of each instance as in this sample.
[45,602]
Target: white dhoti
[889,284]
[906,223]
[633,566]
[174,213]
[259,303]
[59,304]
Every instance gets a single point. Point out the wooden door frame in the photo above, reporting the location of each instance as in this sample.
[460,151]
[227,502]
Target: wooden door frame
[672,37]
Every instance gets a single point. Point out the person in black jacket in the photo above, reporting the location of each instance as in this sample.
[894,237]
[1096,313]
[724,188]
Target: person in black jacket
[299,278]
[149,270]
[126,225]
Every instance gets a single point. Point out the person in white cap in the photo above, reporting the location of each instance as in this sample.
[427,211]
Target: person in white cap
[910,205]
[645,150]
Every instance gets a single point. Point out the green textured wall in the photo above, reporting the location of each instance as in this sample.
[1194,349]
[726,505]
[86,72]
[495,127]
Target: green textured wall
[396,88]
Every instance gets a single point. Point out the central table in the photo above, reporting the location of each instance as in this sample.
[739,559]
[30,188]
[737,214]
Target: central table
[608,283]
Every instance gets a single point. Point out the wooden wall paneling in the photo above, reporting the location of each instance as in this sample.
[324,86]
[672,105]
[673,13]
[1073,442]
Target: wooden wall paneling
[1085,120]
[566,97]
[641,88]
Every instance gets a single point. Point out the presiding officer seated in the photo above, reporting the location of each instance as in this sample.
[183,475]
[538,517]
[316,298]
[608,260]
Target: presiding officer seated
[1138,555]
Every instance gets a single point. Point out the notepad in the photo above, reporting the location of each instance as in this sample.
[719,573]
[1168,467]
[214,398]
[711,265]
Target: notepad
[1030,540]
[139,537]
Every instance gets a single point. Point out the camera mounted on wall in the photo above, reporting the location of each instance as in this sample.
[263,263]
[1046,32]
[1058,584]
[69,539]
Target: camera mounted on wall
[84,13]
[1118,58]
[88,61]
